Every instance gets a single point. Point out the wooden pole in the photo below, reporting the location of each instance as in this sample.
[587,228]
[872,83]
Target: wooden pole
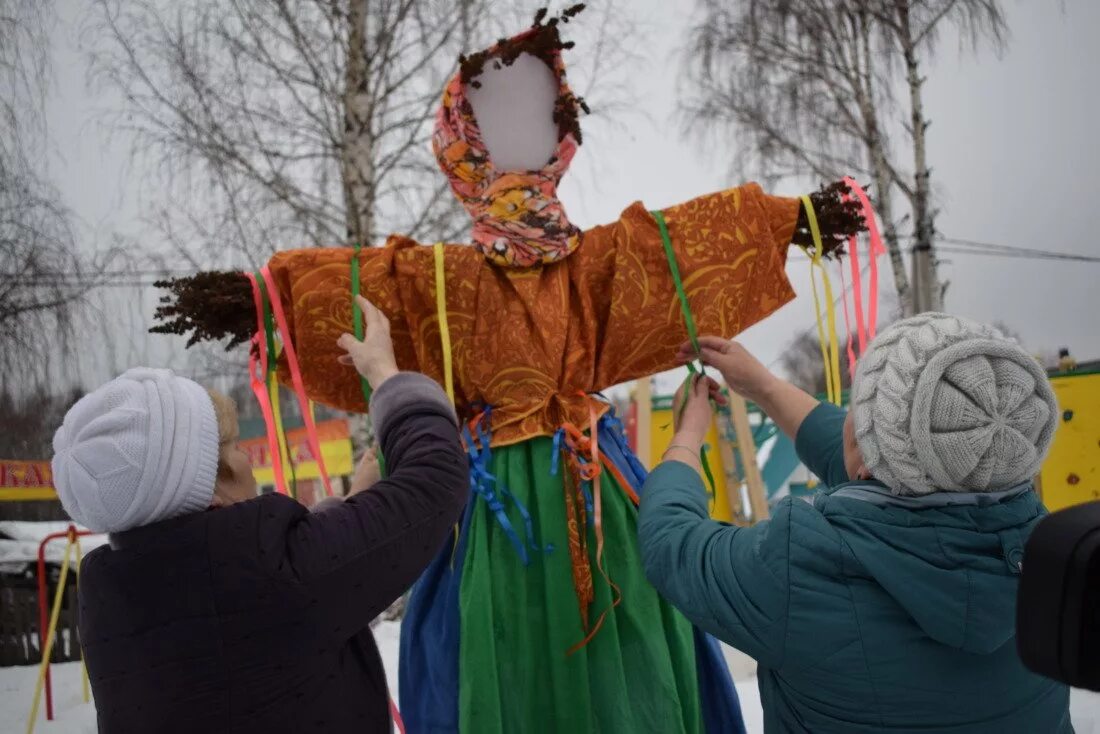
[758,500]
[726,448]
[643,399]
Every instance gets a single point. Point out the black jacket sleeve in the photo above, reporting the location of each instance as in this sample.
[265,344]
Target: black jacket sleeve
[370,549]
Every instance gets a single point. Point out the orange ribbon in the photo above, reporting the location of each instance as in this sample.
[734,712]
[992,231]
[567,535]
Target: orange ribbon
[594,469]
[578,544]
[578,442]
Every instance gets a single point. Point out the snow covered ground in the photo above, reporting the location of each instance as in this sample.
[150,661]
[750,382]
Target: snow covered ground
[19,543]
[73,716]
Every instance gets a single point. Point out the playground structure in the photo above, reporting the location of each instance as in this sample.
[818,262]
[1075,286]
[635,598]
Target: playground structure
[299,465]
[735,436]
[1070,475]
[48,623]
[22,481]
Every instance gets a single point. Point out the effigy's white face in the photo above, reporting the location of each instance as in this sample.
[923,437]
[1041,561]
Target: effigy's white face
[514,106]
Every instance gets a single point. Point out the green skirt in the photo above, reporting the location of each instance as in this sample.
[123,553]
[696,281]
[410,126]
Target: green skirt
[486,639]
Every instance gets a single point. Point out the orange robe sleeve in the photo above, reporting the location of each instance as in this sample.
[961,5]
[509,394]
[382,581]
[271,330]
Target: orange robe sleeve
[731,248]
[315,290]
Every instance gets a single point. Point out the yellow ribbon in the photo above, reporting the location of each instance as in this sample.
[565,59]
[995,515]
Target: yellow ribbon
[830,352]
[445,338]
[284,456]
[47,647]
[444,330]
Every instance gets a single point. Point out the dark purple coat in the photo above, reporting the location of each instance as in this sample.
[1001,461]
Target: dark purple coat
[254,617]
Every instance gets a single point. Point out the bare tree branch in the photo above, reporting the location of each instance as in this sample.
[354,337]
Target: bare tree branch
[37,244]
[275,123]
[808,86]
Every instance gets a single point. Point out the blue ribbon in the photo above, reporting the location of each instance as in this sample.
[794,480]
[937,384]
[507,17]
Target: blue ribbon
[559,437]
[482,482]
[585,484]
[555,458]
[586,488]
[617,431]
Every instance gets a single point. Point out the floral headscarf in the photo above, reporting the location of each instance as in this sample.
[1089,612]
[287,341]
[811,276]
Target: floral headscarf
[518,219]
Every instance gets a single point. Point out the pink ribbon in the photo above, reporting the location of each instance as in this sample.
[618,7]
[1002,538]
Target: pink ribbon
[257,372]
[876,249]
[857,290]
[303,401]
[296,376]
[397,720]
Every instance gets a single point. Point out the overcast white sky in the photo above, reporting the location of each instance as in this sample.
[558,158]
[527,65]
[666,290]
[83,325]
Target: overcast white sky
[1012,143]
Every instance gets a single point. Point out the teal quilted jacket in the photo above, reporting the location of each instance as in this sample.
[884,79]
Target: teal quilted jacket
[866,612]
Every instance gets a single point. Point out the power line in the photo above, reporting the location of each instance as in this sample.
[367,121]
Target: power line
[148,278]
[965,247]
[960,246]
[94,286]
[101,274]
[968,246]
[1006,248]
[1018,254]
[89,284]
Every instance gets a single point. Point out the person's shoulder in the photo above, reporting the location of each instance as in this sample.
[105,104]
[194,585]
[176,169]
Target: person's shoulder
[255,515]
[250,538]
[810,536]
[797,513]
[801,516]
[94,560]
[825,421]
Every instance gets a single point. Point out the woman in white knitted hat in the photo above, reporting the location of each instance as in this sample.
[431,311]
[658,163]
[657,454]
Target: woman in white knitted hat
[214,610]
[888,604]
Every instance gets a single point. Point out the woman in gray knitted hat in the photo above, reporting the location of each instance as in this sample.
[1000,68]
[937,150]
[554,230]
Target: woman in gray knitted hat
[888,604]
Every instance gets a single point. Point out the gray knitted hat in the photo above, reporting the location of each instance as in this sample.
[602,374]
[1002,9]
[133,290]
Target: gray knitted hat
[943,404]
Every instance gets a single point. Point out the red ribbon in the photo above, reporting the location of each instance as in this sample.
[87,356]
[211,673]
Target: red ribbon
[296,376]
[260,389]
[257,372]
[397,721]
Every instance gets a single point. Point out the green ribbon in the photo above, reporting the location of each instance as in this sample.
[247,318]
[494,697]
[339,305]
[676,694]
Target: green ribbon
[707,471]
[269,323]
[357,322]
[693,335]
[357,315]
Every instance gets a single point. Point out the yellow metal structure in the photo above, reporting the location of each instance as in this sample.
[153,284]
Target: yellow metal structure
[1071,474]
[660,435]
[335,449]
[26,480]
[338,462]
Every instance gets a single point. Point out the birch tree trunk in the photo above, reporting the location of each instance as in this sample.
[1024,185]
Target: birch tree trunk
[808,86]
[881,172]
[358,155]
[926,287]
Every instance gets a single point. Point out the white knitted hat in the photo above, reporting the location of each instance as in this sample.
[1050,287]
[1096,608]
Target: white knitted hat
[940,403]
[142,448]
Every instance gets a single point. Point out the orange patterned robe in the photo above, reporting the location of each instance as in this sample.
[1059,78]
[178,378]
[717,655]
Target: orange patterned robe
[530,342]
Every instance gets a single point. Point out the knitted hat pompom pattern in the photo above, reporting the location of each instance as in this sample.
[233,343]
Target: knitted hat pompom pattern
[944,404]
